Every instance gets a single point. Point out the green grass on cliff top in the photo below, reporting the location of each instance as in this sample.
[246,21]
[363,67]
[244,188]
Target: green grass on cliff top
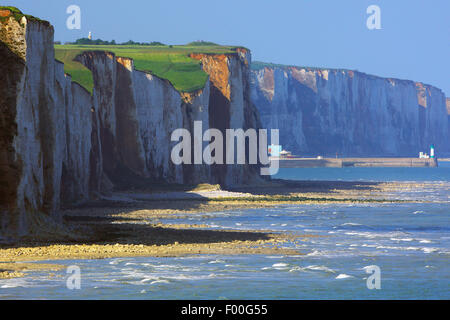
[258,65]
[17,14]
[167,62]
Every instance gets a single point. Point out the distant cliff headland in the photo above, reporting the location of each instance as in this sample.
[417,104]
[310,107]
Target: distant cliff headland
[77,121]
[349,113]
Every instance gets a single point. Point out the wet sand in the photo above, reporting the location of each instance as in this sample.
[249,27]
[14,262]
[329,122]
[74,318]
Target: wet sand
[126,224]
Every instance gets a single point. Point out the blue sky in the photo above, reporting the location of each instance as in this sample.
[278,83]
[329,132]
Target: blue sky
[414,42]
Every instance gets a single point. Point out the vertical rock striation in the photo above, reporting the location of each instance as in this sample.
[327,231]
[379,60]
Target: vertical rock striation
[45,129]
[230,107]
[61,145]
[138,113]
[323,111]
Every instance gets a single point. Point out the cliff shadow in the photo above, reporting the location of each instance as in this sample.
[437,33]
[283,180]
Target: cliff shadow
[219,118]
[106,232]
[110,223]
[128,140]
[11,71]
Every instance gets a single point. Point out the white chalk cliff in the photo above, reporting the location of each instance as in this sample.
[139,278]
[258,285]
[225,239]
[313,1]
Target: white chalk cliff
[325,111]
[61,145]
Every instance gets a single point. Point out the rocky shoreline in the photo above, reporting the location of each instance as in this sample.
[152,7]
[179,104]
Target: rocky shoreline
[127,224]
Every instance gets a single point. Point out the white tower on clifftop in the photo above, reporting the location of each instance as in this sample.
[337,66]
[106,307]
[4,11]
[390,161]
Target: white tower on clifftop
[90,35]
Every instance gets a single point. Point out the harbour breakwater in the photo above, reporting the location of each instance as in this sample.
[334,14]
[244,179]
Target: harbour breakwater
[356,162]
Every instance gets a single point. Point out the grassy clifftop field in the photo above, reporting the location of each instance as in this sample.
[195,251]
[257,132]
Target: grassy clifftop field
[7,11]
[168,62]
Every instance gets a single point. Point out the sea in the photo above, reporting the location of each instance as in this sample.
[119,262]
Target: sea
[360,251]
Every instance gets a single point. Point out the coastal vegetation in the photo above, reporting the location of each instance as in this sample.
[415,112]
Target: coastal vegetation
[201,43]
[17,14]
[258,65]
[172,63]
[87,41]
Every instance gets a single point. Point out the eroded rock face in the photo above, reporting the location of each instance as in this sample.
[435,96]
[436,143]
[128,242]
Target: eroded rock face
[137,114]
[11,72]
[195,107]
[61,145]
[320,111]
[230,107]
[45,129]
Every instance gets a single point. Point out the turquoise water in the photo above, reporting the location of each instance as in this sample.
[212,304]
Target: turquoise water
[409,242]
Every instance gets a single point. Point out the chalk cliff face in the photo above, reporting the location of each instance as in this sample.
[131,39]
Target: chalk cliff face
[322,111]
[230,107]
[61,145]
[138,113]
[45,128]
